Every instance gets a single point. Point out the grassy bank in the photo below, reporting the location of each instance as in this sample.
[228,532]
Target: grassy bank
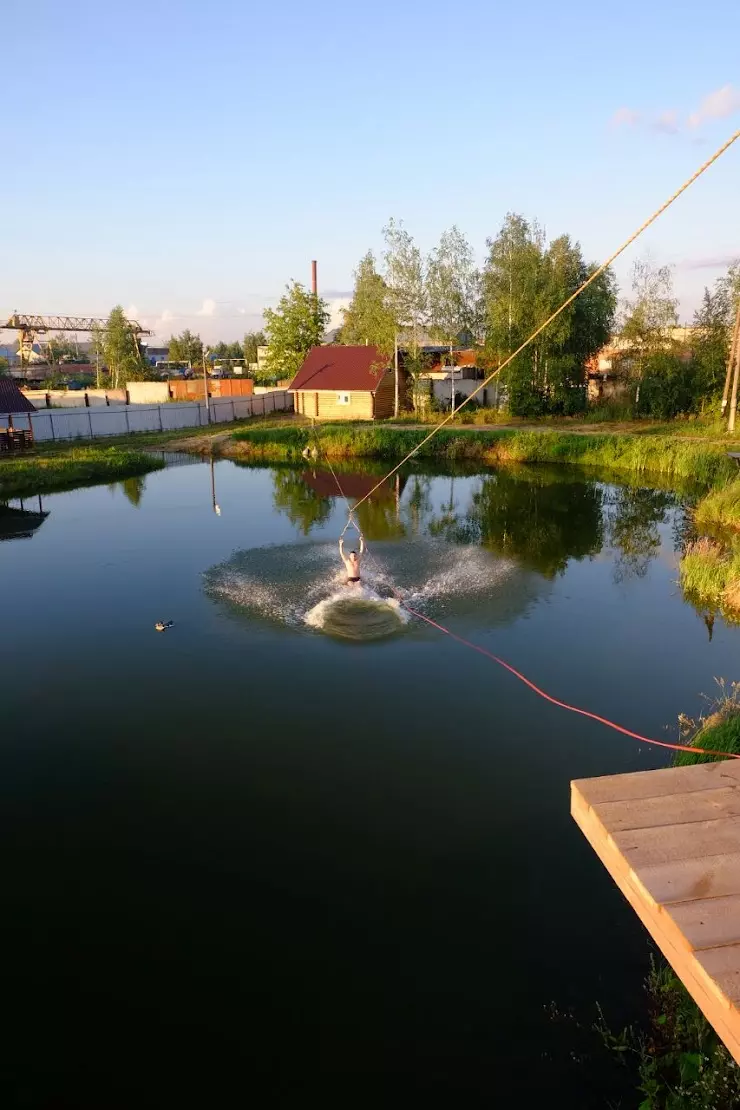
[718,731]
[710,574]
[703,462]
[41,472]
[721,506]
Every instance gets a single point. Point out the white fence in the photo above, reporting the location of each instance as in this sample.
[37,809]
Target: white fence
[118,420]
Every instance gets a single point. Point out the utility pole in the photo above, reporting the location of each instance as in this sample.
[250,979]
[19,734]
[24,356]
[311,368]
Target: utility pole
[452,383]
[731,360]
[395,366]
[733,396]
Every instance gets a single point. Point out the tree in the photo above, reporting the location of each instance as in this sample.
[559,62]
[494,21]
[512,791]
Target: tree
[123,356]
[649,315]
[713,321]
[292,329]
[453,288]
[369,317]
[524,281]
[59,348]
[405,277]
[563,349]
[186,347]
[510,286]
[4,366]
[253,340]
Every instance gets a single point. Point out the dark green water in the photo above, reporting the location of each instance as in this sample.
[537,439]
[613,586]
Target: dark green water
[248,863]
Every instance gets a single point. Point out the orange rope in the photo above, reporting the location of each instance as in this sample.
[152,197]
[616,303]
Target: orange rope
[604,265]
[563,704]
[528,682]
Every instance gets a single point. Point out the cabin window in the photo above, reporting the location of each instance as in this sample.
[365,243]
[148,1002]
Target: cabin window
[342,398]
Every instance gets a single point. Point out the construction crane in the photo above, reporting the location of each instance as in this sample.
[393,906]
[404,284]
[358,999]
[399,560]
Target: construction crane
[31,326]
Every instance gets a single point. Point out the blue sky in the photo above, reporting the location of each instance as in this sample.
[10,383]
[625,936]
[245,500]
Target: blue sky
[188,159]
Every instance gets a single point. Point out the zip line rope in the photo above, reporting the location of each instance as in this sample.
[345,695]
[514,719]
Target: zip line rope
[604,265]
[454,635]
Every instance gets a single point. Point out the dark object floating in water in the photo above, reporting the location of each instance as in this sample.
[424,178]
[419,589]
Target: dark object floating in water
[162,625]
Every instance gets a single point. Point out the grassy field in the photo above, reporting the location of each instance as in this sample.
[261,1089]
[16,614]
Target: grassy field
[40,472]
[665,455]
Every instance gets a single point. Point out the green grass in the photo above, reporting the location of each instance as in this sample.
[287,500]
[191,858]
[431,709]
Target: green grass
[24,475]
[720,506]
[719,730]
[707,568]
[723,736]
[703,462]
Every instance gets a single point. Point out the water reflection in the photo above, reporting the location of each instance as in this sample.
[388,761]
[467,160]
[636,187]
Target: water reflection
[20,523]
[307,497]
[632,519]
[541,517]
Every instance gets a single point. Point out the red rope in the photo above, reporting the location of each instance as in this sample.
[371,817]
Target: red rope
[527,682]
[564,704]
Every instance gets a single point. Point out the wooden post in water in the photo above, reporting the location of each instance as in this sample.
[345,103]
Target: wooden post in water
[731,359]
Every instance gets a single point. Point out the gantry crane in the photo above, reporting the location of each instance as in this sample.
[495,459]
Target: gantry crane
[31,326]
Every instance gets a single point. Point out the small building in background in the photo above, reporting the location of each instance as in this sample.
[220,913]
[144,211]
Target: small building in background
[154,355]
[346,383]
[609,373]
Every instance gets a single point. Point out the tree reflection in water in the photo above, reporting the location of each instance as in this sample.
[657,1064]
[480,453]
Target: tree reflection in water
[308,498]
[302,504]
[632,517]
[539,516]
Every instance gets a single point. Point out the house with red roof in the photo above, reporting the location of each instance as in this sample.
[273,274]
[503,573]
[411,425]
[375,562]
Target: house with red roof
[346,383]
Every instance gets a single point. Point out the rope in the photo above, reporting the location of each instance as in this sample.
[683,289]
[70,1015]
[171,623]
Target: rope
[523,678]
[604,265]
[563,704]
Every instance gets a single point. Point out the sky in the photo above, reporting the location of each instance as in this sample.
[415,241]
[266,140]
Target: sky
[186,160]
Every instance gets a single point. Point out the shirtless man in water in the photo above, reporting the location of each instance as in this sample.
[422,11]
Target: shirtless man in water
[352,561]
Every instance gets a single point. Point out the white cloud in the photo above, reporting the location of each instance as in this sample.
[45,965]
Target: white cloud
[719,104]
[336,316]
[625,117]
[208,308]
[667,122]
[132,312]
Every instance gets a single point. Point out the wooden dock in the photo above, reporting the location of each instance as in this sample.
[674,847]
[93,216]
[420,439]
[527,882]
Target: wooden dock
[670,839]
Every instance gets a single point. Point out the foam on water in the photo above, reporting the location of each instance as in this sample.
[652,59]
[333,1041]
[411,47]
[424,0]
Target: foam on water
[304,585]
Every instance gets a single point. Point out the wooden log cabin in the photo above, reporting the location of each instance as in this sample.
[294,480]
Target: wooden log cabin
[346,383]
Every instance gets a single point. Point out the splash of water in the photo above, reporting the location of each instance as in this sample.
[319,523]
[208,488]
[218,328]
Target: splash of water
[302,585]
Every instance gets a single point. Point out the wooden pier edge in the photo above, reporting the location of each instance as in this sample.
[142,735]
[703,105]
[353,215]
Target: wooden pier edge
[602,808]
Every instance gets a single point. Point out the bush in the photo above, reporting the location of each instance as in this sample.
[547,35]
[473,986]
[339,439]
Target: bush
[667,387]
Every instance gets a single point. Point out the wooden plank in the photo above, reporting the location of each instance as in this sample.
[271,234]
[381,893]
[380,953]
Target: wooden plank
[714,996]
[671,809]
[653,784]
[675,842]
[723,965]
[708,877]
[708,922]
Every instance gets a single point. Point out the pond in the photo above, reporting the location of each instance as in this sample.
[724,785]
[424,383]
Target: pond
[259,857]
